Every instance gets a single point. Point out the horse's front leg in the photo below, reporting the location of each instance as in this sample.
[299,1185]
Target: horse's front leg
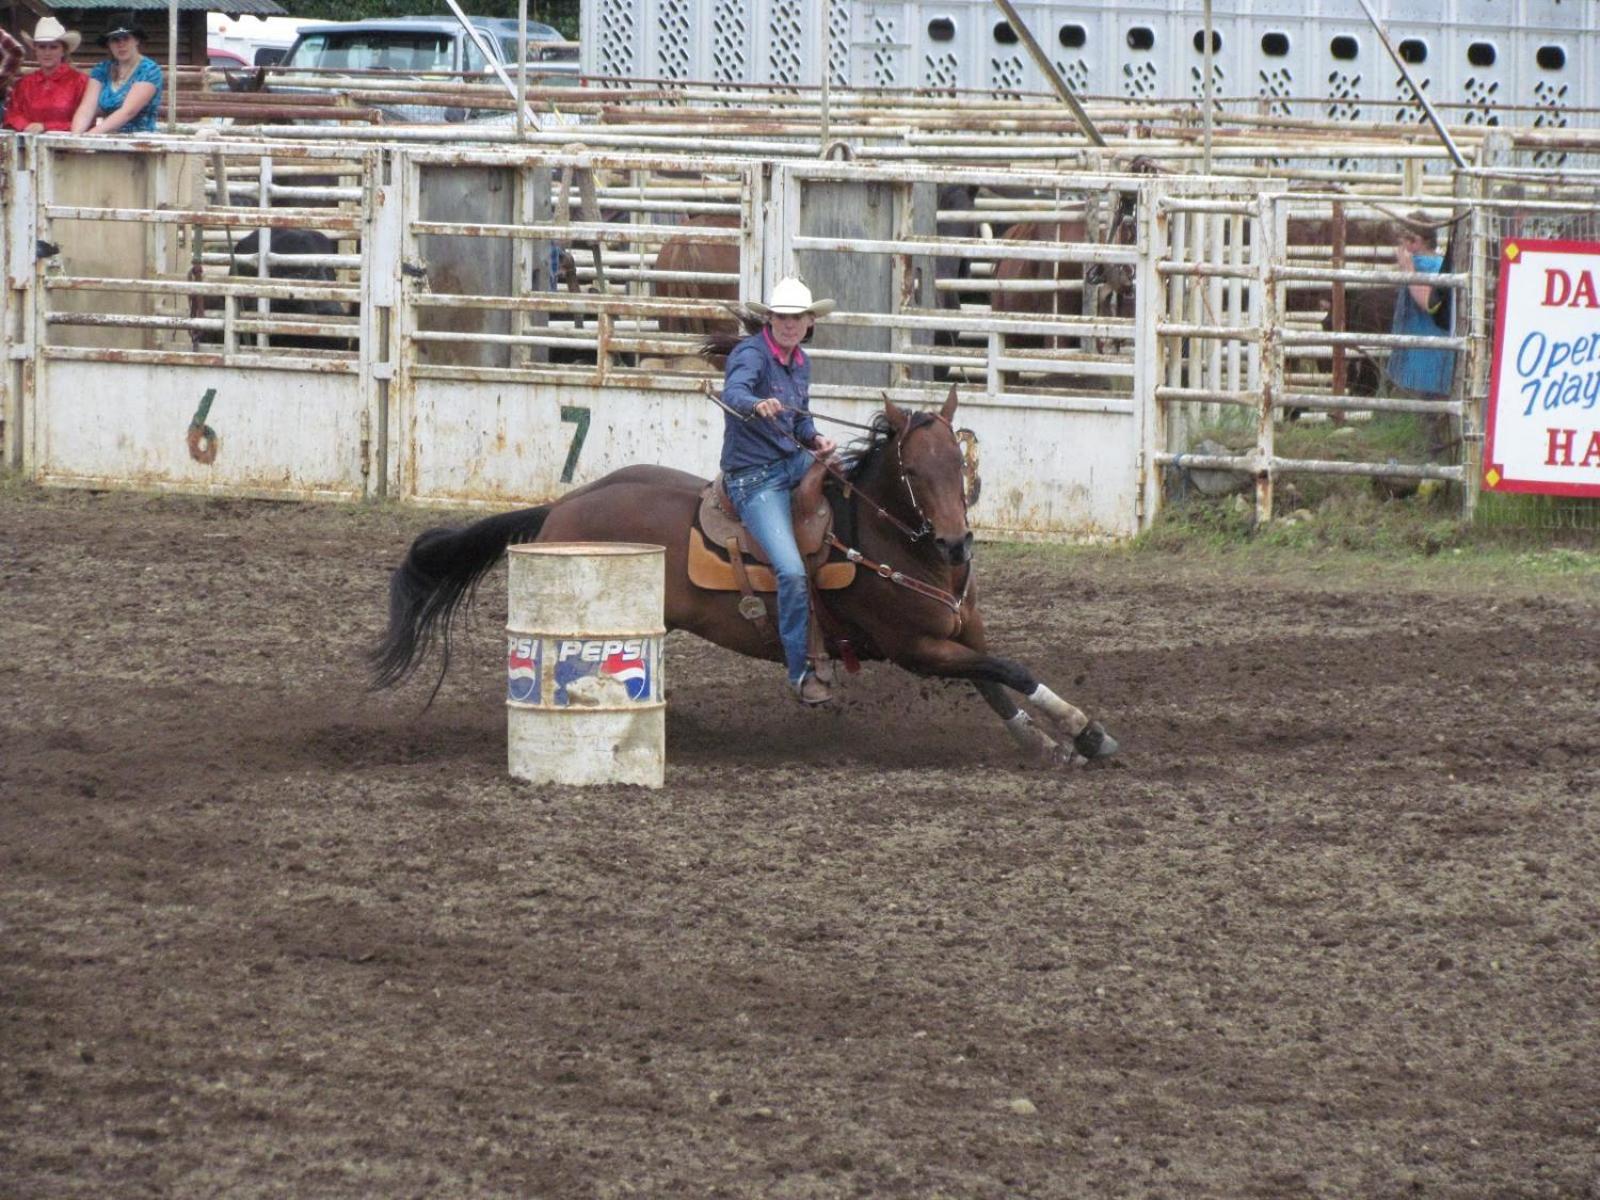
[1020,727]
[990,674]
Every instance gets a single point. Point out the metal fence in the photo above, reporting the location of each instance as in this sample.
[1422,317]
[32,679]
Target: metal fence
[496,324]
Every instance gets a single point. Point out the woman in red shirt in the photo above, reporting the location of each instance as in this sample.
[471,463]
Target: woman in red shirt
[46,99]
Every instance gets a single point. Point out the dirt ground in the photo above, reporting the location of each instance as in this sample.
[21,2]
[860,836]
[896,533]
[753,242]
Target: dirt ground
[1330,928]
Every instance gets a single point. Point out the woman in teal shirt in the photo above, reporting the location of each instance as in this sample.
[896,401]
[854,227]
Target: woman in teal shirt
[124,91]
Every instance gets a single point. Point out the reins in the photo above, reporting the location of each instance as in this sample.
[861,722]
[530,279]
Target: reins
[915,535]
[883,570]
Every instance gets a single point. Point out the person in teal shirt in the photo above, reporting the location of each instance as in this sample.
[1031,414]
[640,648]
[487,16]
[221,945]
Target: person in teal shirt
[1416,372]
[1422,310]
[124,91]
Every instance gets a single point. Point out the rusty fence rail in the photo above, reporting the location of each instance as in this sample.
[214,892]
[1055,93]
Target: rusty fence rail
[384,295]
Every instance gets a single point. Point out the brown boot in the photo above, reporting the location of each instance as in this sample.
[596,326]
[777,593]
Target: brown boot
[811,691]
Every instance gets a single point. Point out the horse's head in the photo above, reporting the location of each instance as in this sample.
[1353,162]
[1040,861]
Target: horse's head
[1115,280]
[932,471]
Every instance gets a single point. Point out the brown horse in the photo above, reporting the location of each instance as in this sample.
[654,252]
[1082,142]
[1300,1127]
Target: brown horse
[901,502]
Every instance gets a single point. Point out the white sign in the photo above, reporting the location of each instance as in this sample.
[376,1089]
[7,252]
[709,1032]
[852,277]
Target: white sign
[1543,426]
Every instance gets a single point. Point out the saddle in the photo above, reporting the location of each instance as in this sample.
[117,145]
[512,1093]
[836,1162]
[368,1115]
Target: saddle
[725,557]
[721,549]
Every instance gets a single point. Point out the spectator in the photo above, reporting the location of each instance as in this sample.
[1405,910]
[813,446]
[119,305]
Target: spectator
[48,98]
[1420,373]
[124,91]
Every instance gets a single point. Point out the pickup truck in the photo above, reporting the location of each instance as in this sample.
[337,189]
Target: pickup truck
[412,46]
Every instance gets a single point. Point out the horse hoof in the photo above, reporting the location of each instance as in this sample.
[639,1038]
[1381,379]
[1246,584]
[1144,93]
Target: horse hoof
[1094,742]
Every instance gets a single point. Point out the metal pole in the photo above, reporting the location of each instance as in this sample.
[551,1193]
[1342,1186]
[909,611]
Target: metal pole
[1047,68]
[494,63]
[1207,98]
[522,68]
[827,59]
[1433,117]
[172,66]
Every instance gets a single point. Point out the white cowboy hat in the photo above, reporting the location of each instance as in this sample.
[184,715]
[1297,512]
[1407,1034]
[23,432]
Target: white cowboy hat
[51,30]
[790,296]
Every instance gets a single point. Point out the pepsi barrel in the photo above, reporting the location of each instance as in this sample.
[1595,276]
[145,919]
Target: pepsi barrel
[584,692]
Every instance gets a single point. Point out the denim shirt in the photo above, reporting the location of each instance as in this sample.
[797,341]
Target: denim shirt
[756,373]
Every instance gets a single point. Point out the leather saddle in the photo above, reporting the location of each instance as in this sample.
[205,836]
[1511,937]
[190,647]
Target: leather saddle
[724,556]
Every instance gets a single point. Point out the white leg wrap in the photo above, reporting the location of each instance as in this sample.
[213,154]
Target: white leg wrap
[1069,717]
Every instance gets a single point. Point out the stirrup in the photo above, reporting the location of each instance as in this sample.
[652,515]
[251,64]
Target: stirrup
[811,691]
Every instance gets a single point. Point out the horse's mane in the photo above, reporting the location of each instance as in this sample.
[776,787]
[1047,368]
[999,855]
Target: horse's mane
[720,344]
[858,457]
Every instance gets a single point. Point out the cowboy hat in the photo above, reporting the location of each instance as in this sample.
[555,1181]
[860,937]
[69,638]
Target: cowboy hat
[50,30]
[790,297]
[122,25]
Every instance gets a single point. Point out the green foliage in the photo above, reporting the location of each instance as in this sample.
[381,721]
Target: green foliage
[563,14]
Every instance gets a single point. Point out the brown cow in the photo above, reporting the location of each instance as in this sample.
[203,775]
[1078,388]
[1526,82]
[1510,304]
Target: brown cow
[1115,295]
[683,253]
[1368,242]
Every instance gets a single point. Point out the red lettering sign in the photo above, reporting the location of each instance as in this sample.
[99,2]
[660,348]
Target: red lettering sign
[1561,292]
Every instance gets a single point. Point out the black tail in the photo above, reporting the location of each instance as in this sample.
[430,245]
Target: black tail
[441,571]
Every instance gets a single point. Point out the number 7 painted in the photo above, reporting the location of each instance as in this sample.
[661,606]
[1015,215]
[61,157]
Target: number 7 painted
[579,416]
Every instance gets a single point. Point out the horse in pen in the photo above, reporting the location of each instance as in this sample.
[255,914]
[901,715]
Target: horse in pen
[899,512]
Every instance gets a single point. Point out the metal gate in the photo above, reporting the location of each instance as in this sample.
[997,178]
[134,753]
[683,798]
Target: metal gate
[501,324]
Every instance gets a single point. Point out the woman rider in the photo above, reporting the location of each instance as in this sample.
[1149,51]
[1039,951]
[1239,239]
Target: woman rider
[767,386]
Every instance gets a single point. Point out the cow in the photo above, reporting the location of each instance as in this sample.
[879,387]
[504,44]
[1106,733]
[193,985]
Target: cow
[683,253]
[1112,287]
[287,242]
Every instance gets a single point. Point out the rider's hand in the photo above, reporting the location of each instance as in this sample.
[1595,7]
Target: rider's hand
[770,407]
[824,445]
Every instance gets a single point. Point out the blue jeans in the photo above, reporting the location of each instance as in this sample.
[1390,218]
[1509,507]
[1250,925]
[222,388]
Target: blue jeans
[762,495]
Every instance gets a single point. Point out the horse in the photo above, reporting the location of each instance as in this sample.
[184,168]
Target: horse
[898,496]
[684,254]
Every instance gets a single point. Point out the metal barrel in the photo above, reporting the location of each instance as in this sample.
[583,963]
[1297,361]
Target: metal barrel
[584,687]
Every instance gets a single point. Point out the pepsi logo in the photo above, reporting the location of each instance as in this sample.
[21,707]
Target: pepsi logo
[522,669]
[630,670]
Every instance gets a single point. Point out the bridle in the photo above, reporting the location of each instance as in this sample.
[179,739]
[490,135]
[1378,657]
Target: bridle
[926,528]
[883,570]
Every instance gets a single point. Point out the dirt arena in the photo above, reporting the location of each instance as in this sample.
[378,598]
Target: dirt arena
[1330,928]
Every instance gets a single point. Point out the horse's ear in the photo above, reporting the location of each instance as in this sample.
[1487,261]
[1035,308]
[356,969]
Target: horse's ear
[948,412]
[898,417]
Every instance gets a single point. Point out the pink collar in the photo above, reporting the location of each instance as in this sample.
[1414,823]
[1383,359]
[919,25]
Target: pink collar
[788,360]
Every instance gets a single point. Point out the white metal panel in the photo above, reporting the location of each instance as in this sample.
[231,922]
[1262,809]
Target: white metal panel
[1046,473]
[732,42]
[279,433]
[1560,15]
[952,43]
[507,442]
[21,215]
[883,38]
